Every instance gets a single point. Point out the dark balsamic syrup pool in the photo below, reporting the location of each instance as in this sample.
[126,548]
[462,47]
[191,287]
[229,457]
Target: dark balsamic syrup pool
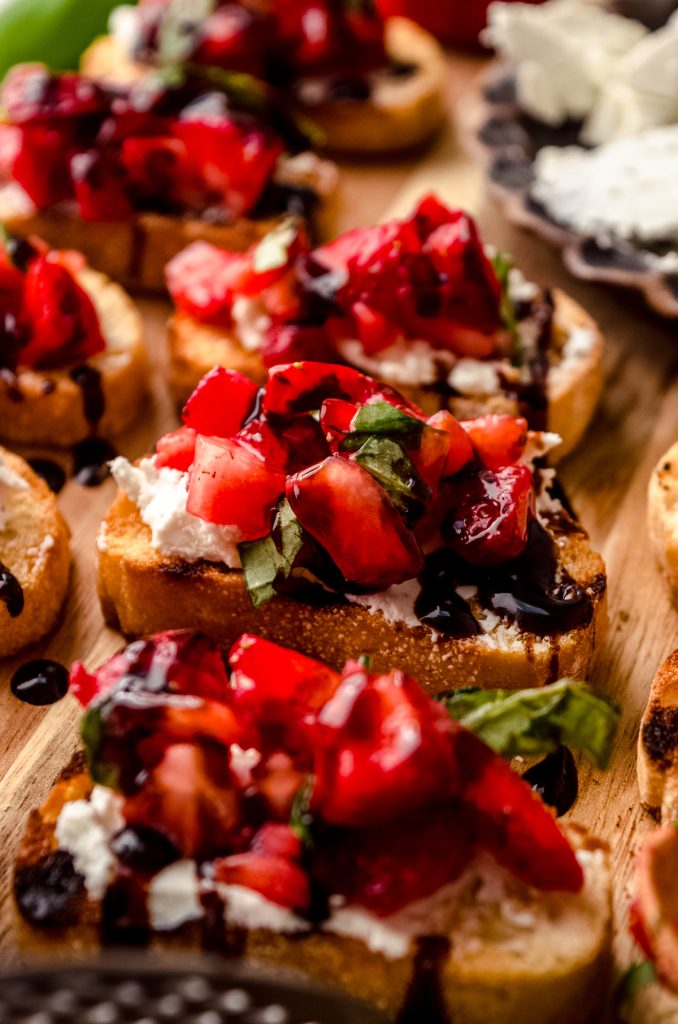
[555,779]
[40,682]
[425,1000]
[90,461]
[51,472]
[11,592]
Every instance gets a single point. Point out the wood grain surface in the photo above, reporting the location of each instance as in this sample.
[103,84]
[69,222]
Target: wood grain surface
[606,480]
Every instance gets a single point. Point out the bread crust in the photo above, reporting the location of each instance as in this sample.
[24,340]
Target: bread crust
[143,592]
[662,516]
[133,252]
[497,983]
[574,388]
[402,113]
[658,744]
[34,546]
[46,408]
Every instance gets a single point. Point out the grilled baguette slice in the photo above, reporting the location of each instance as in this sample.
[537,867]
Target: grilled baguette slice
[663,515]
[34,548]
[573,388]
[47,408]
[402,112]
[142,592]
[541,958]
[658,744]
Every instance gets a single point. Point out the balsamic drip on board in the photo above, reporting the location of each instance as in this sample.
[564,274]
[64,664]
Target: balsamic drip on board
[40,682]
[51,472]
[425,998]
[555,779]
[11,592]
[90,461]
[89,381]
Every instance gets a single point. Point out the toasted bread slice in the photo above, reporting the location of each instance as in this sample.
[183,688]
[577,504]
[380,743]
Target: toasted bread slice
[402,112]
[34,548]
[658,744]
[48,408]
[573,388]
[663,515]
[541,958]
[133,252]
[141,591]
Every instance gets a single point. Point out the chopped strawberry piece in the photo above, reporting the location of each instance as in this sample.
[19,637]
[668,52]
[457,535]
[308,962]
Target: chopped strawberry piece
[512,822]
[100,187]
[350,514]
[203,280]
[294,343]
[384,869]
[278,879]
[499,439]
[383,749]
[176,450]
[431,455]
[30,92]
[375,331]
[277,841]
[490,515]
[220,403]
[336,416]
[460,451]
[41,165]
[83,685]
[63,322]
[302,387]
[189,796]
[230,484]
[156,168]
[280,690]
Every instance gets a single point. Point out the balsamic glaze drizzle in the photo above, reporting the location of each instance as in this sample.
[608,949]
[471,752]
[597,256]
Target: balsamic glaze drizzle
[90,461]
[89,381]
[40,682]
[51,472]
[11,592]
[425,999]
[555,779]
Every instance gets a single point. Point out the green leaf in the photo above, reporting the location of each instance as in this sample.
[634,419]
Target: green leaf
[638,977]
[301,818]
[175,41]
[395,472]
[54,32]
[273,250]
[265,561]
[529,722]
[91,730]
[384,418]
[502,267]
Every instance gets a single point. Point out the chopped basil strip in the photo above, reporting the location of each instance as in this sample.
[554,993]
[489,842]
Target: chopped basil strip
[265,561]
[384,418]
[502,267]
[301,818]
[529,722]
[638,977]
[91,729]
[389,465]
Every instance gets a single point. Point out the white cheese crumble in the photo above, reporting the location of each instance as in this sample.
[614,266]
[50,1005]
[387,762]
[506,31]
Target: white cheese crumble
[474,377]
[160,495]
[404,362]
[626,190]
[174,896]
[396,603]
[251,321]
[246,908]
[85,829]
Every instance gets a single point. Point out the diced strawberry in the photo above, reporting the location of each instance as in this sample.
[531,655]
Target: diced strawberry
[176,450]
[64,325]
[238,38]
[386,868]
[230,484]
[279,689]
[100,187]
[83,684]
[203,280]
[383,749]
[277,841]
[336,416]
[41,165]
[156,169]
[431,455]
[512,822]
[30,92]
[490,515]
[278,779]
[302,387]
[375,331]
[10,146]
[346,510]
[294,343]
[266,441]
[234,162]
[189,796]
[460,451]
[220,403]
[278,879]
[499,439]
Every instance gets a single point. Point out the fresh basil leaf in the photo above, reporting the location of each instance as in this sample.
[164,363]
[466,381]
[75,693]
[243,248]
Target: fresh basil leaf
[265,561]
[181,21]
[274,248]
[301,819]
[638,977]
[396,473]
[529,722]
[384,418]
[502,267]
[53,32]
[91,729]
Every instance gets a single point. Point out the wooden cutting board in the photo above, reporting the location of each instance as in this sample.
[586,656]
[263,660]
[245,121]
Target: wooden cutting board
[606,480]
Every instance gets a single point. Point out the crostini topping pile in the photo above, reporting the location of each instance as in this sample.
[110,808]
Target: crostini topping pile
[426,277]
[301,782]
[276,42]
[47,320]
[334,485]
[169,144]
